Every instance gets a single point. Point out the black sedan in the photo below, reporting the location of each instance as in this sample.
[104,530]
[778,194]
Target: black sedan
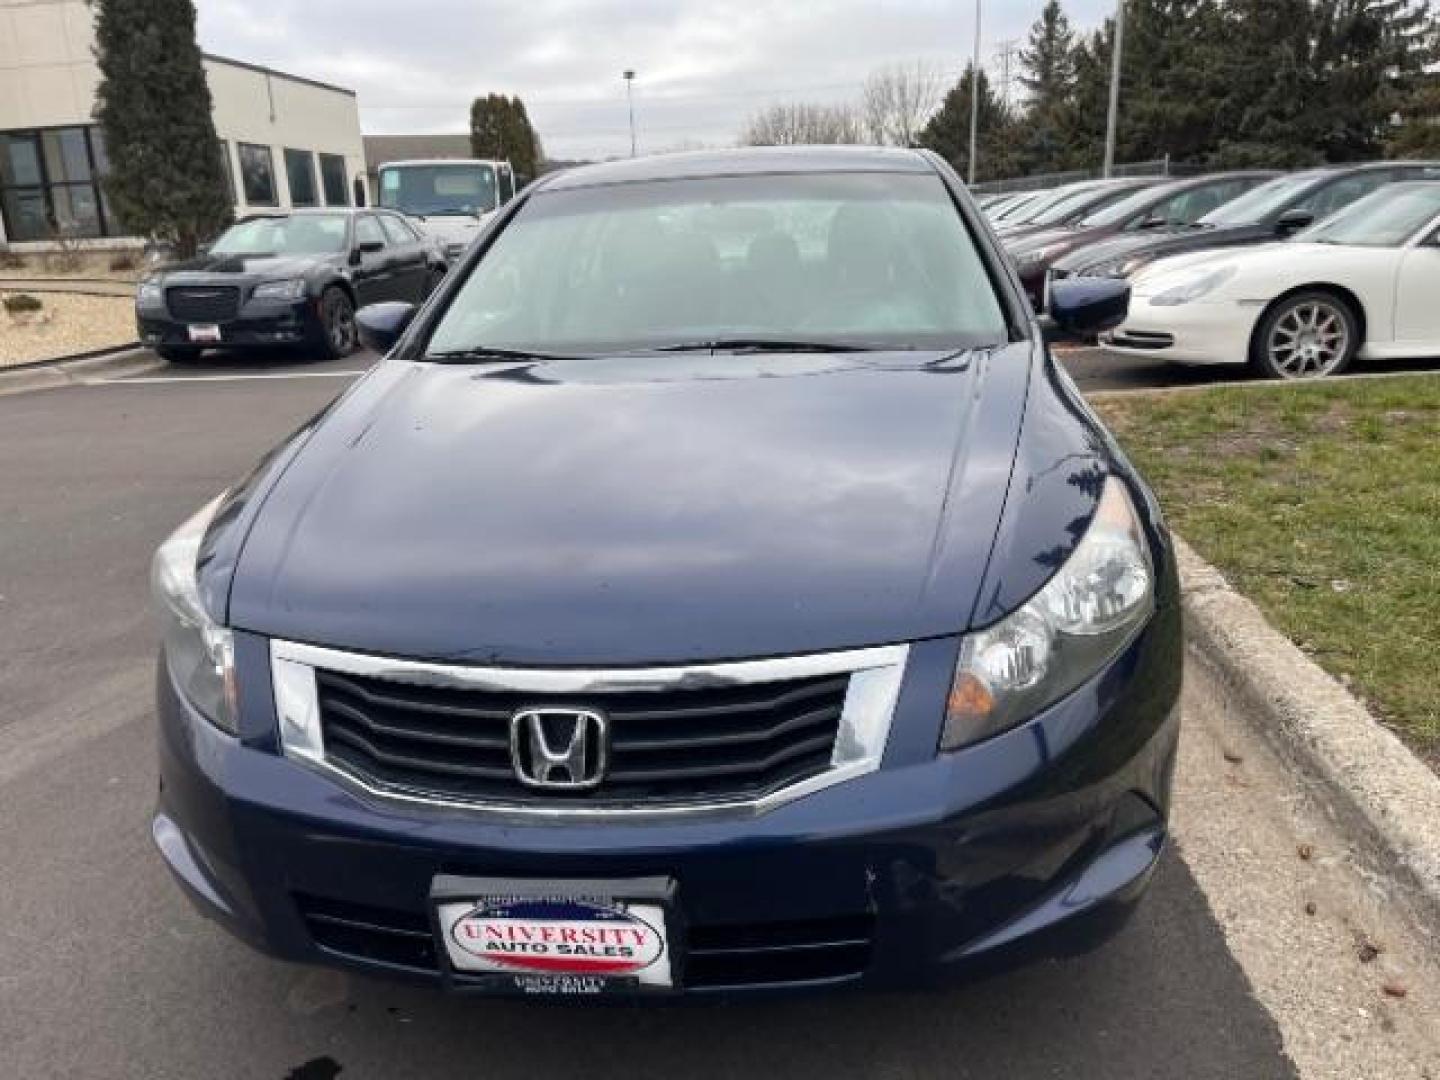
[291,280]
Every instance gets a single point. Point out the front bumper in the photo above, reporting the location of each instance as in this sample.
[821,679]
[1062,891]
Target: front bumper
[258,324]
[1037,842]
[1196,333]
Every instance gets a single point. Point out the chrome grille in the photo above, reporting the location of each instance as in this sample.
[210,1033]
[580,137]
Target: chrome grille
[745,735]
[672,745]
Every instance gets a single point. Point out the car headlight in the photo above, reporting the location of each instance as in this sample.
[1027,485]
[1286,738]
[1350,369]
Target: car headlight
[1071,628]
[199,652]
[1194,288]
[149,295]
[290,289]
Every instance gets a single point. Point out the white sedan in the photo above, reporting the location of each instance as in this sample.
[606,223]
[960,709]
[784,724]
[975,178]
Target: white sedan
[1365,282]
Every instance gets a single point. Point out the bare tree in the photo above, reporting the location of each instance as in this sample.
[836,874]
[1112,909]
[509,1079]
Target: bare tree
[898,100]
[802,124]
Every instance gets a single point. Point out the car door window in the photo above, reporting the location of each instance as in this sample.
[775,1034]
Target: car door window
[1191,206]
[396,230]
[1341,193]
[368,231]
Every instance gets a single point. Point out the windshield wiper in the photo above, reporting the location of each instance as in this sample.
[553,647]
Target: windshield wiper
[480,354]
[766,345]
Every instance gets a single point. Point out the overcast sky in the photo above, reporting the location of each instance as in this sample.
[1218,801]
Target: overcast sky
[703,66]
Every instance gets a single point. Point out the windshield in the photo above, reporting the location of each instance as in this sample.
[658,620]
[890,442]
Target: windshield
[880,260]
[1080,200]
[1016,206]
[1384,218]
[1259,203]
[430,190]
[1032,212]
[304,234]
[1135,203]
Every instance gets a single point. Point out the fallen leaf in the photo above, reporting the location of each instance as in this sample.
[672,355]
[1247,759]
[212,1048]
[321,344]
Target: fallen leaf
[1310,908]
[1394,989]
[1307,851]
[1232,757]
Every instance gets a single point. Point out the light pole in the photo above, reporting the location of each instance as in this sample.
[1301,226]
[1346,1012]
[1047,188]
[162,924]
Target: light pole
[630,99]
[975,96]
[1114,116]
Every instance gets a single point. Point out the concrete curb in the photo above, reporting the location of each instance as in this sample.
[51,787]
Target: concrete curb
[1381,794]
[79,369]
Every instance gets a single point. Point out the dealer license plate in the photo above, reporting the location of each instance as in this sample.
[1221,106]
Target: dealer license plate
[204,333]
[560,944]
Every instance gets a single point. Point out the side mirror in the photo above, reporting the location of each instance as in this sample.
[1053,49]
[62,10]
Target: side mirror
[1085,306]
[381,325]
[1292,221]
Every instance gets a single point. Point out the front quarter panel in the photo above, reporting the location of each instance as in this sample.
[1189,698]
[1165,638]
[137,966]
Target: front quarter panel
[1064,457]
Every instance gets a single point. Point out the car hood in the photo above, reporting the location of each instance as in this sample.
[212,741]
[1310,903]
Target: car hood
[1159,245]
[1020,243]
[454,228]
[257,266]
[624,511]
[1270,265]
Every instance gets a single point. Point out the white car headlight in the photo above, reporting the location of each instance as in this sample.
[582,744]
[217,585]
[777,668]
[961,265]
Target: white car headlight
[149,295]
[199,652]
[1196,287]
[290,289]
[1071,628]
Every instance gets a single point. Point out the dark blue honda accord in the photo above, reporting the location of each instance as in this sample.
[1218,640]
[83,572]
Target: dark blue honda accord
[717,589]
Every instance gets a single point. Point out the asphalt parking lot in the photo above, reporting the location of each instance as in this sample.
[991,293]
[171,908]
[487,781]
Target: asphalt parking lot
[106,971]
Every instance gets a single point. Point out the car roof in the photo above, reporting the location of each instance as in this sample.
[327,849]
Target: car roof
[747,161]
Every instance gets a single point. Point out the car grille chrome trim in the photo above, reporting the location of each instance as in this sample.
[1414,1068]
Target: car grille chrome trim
[863,729]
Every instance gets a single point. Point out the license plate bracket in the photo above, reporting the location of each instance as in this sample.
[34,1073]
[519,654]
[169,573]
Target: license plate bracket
[204,333]
[570,937]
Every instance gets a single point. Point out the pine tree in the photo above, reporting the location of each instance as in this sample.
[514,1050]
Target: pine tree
[1047,71]
[1169,81]
[948,131]
[153,106]
[1269,114]
[500,130]
[1081,122]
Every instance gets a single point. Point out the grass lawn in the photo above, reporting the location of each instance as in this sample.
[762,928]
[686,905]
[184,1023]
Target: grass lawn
[1322,504]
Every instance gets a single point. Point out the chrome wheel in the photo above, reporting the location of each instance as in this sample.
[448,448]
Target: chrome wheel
[340,324]
[1309,340]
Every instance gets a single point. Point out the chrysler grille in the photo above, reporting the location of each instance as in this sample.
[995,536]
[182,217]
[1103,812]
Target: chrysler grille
[203,304]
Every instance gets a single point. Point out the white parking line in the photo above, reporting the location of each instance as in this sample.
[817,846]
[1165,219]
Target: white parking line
[161,379]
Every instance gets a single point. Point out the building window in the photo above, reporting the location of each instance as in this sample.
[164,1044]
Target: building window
[257,174]
[300,170]
[50,184]
[228,171]
[332,176]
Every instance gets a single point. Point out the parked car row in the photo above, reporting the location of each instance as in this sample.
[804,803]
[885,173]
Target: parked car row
[1333,259]
[295,280]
